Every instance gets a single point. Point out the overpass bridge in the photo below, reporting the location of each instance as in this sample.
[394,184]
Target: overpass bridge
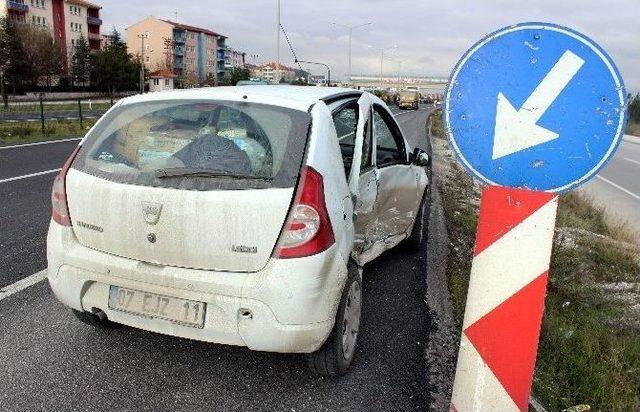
[426,85]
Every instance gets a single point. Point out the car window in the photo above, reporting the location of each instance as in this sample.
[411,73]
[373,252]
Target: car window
[346,123]
[135,141]
[389,146]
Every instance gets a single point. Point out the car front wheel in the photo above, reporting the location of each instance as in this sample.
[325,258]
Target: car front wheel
[418,235]
[336,354]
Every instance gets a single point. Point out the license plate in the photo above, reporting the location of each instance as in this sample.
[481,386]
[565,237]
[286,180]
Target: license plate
[180,311]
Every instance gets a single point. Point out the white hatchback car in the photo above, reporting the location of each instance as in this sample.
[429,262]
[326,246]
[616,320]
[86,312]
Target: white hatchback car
[227,215]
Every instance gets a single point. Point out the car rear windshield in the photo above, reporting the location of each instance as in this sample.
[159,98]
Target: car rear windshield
[197,145]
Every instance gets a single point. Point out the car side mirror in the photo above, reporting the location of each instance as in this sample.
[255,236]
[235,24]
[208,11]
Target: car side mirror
[421,158]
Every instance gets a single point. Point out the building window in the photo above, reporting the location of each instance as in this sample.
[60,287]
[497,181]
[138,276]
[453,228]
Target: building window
[147,59]
[156,82]
[166,82]
[73,9]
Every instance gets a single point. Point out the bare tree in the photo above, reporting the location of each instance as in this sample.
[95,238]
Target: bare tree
[41,53]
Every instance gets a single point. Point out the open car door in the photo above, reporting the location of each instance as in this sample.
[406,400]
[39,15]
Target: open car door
[363,181]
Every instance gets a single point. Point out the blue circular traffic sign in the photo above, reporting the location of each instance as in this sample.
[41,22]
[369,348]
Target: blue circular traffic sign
[535,106]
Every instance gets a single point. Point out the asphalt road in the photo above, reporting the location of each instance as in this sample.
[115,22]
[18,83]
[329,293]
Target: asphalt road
[617,187]
[25,206]
[51,361]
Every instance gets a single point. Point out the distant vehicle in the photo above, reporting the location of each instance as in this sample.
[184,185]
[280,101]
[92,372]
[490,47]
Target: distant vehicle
[228,215]
[408,99]
[251,83]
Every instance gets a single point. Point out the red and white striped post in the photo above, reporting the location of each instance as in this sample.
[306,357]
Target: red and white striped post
[505,301]
[559,115]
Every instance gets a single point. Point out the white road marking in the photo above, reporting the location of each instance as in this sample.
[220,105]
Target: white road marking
[617,186]
[39,143]
[631,160]
[401,113]
[11,179]
[22,284]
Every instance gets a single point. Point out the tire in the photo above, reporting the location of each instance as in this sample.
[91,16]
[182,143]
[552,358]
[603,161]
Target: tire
[418,236]
[337,352]
[94,320]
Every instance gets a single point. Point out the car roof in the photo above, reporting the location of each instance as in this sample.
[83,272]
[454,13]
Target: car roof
[294,97]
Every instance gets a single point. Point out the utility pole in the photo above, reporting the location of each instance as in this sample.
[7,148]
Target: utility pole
[277,72]
[142,37]
[351,28]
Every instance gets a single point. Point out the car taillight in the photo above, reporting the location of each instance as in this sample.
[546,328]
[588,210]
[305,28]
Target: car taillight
[59,206]
[308,229]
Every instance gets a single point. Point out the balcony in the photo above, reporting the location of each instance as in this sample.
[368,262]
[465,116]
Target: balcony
[18,6]
[93,36]
[94,20]
[178,51]
[179,37]
[178,64]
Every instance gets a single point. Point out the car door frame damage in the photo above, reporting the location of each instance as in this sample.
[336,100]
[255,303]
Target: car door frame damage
[380,234]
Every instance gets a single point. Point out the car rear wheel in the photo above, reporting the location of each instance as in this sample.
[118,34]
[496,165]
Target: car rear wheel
[336,354]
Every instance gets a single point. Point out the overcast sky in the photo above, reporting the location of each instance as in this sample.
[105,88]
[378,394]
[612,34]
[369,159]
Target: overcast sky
[430,35]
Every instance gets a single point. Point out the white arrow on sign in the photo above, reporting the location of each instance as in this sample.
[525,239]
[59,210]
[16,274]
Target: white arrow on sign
[517,129]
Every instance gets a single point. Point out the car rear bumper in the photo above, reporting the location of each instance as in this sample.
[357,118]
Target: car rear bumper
[292,303]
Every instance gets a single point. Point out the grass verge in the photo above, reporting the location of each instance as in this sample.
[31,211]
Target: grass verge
[589,349]
[633,128]
[34,108]
[28,132]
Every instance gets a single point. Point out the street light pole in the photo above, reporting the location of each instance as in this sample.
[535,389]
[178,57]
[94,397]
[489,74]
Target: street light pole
[351,28]
[399,70]
[142,36]
[277,73]
[382,50]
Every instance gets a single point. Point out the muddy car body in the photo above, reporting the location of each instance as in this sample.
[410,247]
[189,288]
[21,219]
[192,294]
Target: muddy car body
[237,215]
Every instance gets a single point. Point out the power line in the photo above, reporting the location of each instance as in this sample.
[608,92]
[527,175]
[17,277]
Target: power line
[290,47]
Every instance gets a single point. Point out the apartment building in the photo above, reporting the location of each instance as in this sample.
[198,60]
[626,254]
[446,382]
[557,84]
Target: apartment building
[234,59]
[66,20]
[165,44]
[272,73]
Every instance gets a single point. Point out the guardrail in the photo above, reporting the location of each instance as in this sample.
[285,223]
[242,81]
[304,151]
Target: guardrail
[24,121]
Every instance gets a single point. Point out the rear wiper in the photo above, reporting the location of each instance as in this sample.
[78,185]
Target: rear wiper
[197,172]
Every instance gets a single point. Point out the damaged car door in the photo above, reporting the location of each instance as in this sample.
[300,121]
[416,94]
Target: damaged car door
[362,175]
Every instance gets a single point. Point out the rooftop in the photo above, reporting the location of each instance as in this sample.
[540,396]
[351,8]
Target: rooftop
[84,3]
[162,74]
[193,28]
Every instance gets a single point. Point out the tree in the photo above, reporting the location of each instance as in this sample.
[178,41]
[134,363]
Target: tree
[114,68]
[40,53]
[232,78]
[81,62]
[13,65]
[634,108]
[188,79]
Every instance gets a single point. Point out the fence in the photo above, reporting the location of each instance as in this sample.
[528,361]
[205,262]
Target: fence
[44,119]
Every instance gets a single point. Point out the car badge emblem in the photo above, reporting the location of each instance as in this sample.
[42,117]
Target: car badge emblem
[151,212]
